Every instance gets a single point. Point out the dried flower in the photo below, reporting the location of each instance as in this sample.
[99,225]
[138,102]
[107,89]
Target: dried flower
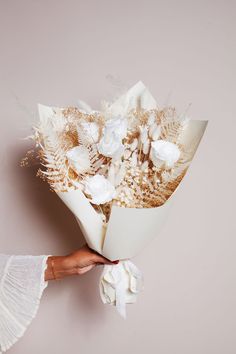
[134,144]
[110,145]
[99,189]
[114,131]
[163,151]
[127,154]
[78,158]
[155,131]
[117,125]
[134,159]
[146,146]
[143,134]
[151,119]
[91,130]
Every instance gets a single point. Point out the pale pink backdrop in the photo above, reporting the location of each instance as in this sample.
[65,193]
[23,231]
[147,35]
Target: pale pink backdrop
[55,52]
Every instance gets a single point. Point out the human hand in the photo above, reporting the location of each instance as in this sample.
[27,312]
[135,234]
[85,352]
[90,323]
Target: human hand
[78,262]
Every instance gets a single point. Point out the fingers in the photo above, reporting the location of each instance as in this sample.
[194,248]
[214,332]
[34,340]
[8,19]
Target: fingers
[86,269]
[101,260]
[98,258]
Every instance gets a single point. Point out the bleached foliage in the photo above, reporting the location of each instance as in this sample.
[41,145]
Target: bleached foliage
[122,149]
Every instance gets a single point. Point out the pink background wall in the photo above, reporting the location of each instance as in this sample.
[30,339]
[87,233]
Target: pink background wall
[55,52]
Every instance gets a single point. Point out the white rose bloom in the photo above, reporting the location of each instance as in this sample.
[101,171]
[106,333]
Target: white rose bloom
[114,131]
[163,151]
[91,130]
[118,125]
[78,158]
[110,145]
[100,189]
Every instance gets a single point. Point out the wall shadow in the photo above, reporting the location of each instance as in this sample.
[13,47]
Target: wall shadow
[38,196]
[83,290]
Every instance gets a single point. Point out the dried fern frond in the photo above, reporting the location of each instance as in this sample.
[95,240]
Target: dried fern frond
[96,159]
[54,160]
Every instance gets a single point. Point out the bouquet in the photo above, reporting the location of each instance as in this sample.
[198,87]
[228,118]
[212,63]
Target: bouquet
[117,169]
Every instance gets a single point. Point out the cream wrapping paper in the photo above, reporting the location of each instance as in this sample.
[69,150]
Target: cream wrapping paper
[129,230]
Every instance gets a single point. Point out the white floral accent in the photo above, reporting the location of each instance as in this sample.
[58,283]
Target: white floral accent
[110,145]
[118,125]
[100,189]
[78,158]
[163,151]
[114,131]
[91,130]
[156,132]
[143,134]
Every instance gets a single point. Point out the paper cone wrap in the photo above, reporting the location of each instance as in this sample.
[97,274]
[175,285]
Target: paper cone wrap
[129,230]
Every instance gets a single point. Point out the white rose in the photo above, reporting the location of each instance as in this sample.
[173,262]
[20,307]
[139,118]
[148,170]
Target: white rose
[114,131]
[91,130]
[100,189]
[118,125]
[78,158]
[163,151]
[110,145]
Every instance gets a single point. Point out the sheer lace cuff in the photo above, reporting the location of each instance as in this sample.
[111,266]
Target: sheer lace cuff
[21,287]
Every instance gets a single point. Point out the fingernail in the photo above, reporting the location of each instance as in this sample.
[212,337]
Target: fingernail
[115,262]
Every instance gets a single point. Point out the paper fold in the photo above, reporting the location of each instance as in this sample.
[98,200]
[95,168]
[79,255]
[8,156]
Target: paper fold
[90,221]
[138,96]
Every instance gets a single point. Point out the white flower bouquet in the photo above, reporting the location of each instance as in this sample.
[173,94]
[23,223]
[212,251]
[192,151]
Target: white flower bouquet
[117,169]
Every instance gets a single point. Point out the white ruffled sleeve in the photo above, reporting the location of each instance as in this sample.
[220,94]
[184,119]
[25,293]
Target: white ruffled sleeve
[21,287]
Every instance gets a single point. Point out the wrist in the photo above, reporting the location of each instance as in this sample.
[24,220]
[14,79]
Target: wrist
[58,267]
